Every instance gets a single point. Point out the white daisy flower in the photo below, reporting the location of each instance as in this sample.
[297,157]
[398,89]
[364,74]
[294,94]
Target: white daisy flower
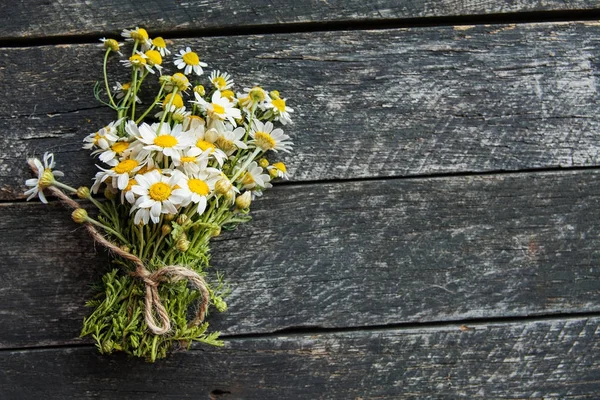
[137,34]
[169,142]
[276,106]
[197,187]
[219,108]
[267,138]
[159,44]
[111,44]
[231,140]
[119,174]
[221,80]
[278,170]
[251,96]
[140,60]
[156,196]
[205,141]
[110,153]
[193,160]
[44,179]
[189,61]
[254,177]
[104,138]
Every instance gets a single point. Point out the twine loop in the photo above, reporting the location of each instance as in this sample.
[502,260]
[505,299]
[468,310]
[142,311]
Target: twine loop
[152,280]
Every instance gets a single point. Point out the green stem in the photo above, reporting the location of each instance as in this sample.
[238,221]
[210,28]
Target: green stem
[156,100]
[110,98]
[246,163]
[107,229]
[166,110]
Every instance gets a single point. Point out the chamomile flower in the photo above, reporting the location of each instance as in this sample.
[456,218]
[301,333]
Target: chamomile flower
[104,138]
[137,34]
[111,44]
[221,80]
[153,59]
[193,160]
[120,90]
[267,138]
[231,140]
[120,173]
[169,142]
[219,108]
[205,141]
[197,187]
[138,60]
[189,61]
[156,196]
[254,177]
[158,43]
[276,106]
[278,170]
[108,154]
[44,179]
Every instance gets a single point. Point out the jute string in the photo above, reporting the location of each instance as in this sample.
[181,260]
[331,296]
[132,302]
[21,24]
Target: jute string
[151,279]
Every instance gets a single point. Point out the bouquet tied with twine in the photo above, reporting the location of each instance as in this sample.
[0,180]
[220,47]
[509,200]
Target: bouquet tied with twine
[171,175]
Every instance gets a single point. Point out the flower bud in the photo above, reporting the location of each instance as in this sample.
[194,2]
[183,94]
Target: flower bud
[215,231]
[169,217]
[166,229]
[274,94]
[182,219]
[183,244]
[181,81]
[242,202]
[257,94]
[220,304]
[165,79]
[223,186]
[200,90]
[79,215]
[263,162]
[83,192]
[211,135]
[125,248]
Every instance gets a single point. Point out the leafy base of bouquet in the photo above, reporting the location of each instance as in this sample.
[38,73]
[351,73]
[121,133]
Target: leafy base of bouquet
[168,188]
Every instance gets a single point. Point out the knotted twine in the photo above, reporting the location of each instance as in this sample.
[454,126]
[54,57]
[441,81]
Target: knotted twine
[151,279]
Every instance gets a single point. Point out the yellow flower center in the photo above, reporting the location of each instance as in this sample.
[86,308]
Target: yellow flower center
[225,144]
[248,179]
[217,109]
[165,141]
[125,87]
[219,82]
[120,147]
[264,141]
[191,58]
[139,34]
[188,159]
[125,166]
[159,191]
[97,137]
[280,166]
[228,94]
[204,145]
[177,100]
[111,44]
[180,80]
[198,186]
[130,184]
[279,104]
[136,59]
[159,42]
[154,57]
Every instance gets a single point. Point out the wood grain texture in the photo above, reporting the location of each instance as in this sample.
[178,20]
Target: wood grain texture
[550,359]
[345,255]
[368,104]
[77,17]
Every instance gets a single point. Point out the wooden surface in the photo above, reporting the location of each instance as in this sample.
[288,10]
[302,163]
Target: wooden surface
[438,237]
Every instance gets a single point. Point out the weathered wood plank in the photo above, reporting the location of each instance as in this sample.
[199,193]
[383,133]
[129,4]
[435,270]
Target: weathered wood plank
[72,18]
[368,104]
[547,359]
[345,255]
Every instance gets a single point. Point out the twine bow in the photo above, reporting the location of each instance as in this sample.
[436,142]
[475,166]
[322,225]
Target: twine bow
[151,279]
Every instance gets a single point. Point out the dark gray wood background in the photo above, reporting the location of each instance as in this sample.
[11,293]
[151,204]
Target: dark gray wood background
[439,236]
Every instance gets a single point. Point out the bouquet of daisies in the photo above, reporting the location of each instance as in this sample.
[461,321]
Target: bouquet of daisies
[171,175]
